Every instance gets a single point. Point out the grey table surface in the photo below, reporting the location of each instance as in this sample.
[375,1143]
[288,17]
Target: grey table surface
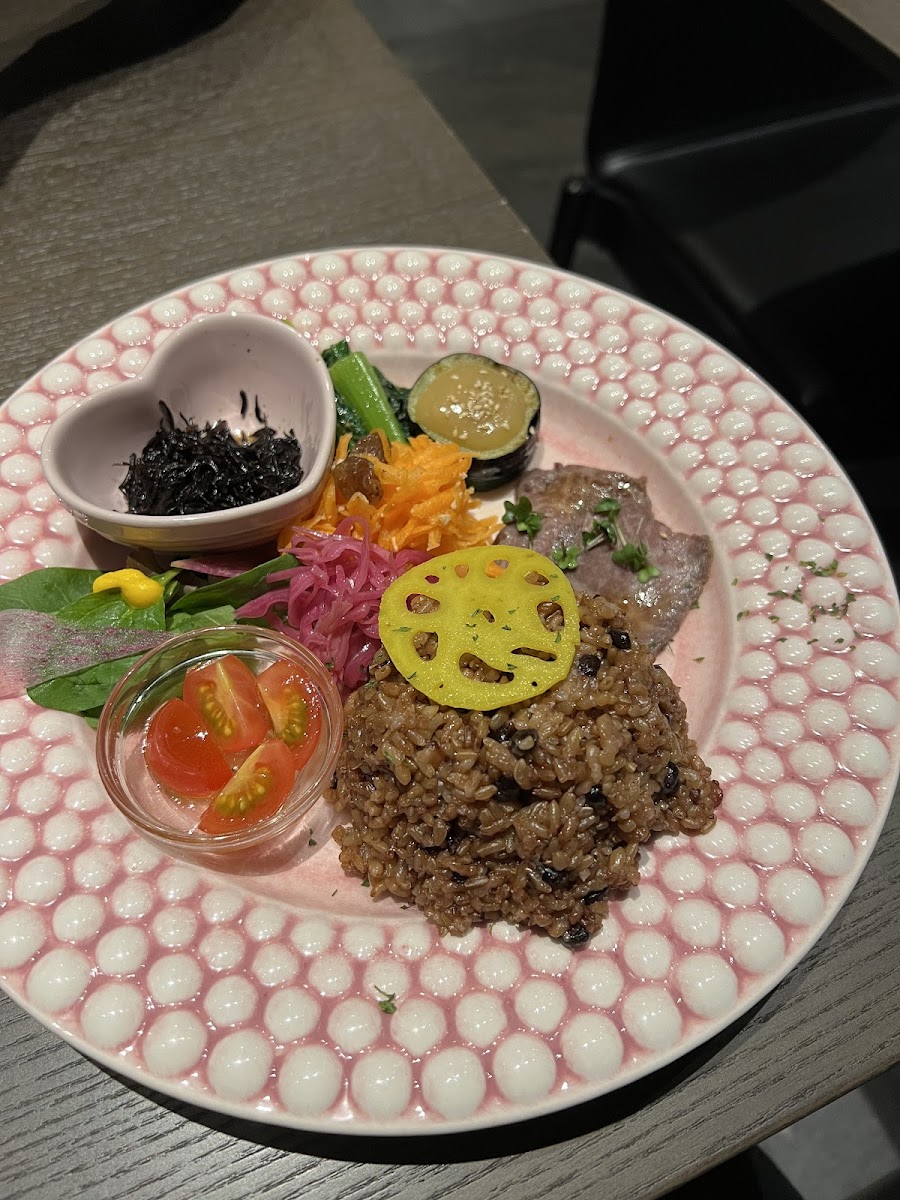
[289,127]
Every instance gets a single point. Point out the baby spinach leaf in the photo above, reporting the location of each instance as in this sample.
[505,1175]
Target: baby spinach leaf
[83,691]
[48,589]
[234,591]
[181,622]
[105,610]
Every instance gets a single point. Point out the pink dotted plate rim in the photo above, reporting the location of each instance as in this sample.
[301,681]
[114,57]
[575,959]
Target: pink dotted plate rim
[808,756]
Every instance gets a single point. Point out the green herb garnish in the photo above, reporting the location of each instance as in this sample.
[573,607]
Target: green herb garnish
[605,528]
[822,572]
[523,516]
[566,557]
[386,1005]
[634,557]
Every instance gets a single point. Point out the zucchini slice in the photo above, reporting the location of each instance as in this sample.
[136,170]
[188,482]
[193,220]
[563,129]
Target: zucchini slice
[490,410]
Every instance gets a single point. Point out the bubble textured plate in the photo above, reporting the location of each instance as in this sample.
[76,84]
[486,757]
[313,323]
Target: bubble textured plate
[261,997]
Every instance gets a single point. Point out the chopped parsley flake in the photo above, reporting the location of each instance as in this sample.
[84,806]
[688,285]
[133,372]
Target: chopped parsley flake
[822,572]
[387,1004]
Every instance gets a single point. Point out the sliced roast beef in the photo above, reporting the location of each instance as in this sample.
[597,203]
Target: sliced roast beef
[567,497]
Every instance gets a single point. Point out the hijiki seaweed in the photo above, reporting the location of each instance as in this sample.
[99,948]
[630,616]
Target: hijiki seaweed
[194,469]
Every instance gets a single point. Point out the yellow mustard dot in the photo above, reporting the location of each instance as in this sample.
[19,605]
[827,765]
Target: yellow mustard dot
[138,589]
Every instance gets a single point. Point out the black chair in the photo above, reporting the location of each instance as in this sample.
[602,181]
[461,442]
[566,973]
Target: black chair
[743,169]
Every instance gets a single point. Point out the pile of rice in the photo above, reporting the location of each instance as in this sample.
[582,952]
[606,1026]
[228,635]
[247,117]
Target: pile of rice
[532,813]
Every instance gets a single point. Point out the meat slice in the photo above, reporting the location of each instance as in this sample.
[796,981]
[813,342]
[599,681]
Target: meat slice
[566,498]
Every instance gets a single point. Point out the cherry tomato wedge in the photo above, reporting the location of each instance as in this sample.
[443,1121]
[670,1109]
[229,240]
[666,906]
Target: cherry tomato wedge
[257,790]
[181,754]
[225,696]
[294,706]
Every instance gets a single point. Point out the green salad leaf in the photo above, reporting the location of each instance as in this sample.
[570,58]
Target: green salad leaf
[66,593]
[206,618]
[48,589]
[103,610]
[234,591]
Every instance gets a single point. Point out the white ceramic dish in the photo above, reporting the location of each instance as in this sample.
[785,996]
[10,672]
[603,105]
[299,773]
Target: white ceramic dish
[199,371]
[260,998]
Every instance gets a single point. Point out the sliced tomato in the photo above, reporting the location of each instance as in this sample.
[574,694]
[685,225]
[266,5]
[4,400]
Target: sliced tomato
[181,755]
[257,790]
[224,694]
[294,707]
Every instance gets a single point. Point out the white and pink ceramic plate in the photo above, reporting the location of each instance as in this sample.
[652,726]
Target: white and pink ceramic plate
[259,996]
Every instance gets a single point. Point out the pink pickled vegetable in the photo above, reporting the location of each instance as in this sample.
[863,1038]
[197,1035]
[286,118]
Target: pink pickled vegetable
[329,601]
[221,566]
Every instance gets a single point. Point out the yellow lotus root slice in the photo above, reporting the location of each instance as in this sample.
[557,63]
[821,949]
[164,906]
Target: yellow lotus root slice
[483,605]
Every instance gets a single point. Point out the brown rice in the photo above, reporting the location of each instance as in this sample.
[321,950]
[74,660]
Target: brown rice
[532,813]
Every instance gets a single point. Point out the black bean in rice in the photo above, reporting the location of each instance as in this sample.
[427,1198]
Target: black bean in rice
[531,814]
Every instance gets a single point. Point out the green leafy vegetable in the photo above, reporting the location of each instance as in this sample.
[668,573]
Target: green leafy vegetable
[634,557]
[398,398]
[524,517]
[104,610]
[347,421]
[352,406]
[234,591]
[604,525]
[605,528]
[87,690]
[207,618]
[566,557]
[48,589]
[358,385]
[83,691]
[333,354]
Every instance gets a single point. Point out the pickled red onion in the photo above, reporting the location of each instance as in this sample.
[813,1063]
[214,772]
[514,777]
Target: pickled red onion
[329,601]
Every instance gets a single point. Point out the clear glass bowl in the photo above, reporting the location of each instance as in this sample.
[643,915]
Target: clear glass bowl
[169,823]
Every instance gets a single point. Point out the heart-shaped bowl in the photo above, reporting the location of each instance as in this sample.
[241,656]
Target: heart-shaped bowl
[199,372]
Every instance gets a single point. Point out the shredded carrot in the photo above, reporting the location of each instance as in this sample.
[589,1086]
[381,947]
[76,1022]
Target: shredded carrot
[425,504]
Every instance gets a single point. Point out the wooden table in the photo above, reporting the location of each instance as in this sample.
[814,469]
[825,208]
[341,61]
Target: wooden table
[290,127]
